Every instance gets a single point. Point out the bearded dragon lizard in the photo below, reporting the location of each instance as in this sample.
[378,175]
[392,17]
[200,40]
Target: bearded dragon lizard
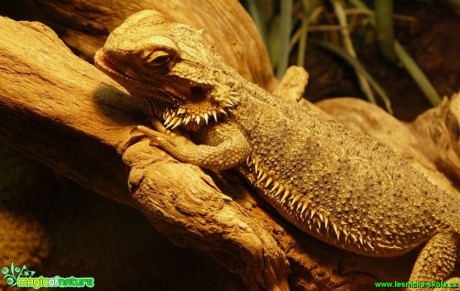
[338,185]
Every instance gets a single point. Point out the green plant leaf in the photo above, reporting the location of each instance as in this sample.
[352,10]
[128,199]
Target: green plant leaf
[385,29]
[284,36]
[273,43]
[410,65]
[303,34]
[348,46]
[417,75]
[257,18]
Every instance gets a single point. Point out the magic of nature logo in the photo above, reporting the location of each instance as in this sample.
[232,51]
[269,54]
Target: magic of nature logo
[22,277]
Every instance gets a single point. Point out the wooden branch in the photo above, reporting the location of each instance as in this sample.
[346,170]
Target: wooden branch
[44,115]
[292,86]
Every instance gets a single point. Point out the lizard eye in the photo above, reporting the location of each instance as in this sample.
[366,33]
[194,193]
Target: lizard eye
[157,58]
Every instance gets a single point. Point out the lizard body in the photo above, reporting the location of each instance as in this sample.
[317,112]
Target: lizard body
[338,185]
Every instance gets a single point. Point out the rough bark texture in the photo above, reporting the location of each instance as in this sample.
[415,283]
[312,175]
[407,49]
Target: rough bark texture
[52,108]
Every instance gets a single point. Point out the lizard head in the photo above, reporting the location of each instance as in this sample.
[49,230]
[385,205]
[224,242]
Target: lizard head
[169,69]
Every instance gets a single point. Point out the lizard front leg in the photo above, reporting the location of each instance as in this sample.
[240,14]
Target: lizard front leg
[223,146]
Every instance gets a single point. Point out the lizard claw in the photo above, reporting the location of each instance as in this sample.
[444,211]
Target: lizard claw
[159,126]
[160,140]
[139,133]
[134,130]
[135,138]
[144,131]
[156,141]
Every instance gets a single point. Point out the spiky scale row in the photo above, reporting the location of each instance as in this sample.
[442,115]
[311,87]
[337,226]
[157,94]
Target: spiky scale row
[176,117]
[316,220]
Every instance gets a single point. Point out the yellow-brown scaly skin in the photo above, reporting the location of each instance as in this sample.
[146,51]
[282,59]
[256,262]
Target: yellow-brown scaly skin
[338,185]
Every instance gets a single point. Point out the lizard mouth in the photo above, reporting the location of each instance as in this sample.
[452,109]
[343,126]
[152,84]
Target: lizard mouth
[103,63]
